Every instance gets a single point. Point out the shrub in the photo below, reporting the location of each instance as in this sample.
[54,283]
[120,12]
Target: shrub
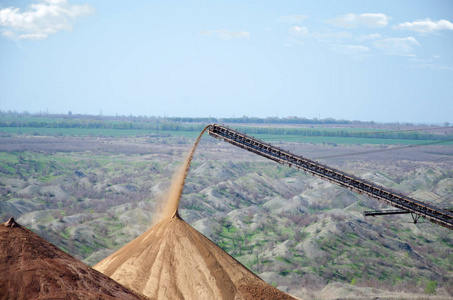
[431,287]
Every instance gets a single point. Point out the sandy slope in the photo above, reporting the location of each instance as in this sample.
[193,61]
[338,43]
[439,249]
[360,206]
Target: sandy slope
[174,261]
[32,268]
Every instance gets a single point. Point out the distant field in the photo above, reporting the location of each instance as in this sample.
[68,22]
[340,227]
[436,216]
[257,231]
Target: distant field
[269,129]
[193,134]
[341,140]
[75,131]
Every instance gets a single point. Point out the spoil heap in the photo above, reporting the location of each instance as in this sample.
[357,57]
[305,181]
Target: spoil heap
[174,261]
[32,268]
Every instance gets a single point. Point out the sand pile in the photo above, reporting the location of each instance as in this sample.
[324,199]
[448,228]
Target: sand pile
[32,268]
[174,261]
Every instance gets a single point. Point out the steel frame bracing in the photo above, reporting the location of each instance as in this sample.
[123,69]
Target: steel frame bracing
[432,213]
[389,212]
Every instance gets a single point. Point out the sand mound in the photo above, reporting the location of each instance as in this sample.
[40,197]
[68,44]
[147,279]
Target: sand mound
[174,261]
[32,268]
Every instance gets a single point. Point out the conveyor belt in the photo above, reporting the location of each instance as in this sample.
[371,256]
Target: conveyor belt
[432,213]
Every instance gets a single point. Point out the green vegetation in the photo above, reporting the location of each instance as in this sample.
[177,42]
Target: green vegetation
[74,131]
[59,125]
[344,140]
[92,195]
[431,288]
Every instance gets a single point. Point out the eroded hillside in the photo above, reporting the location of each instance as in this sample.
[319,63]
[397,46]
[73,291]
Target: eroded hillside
[298,233]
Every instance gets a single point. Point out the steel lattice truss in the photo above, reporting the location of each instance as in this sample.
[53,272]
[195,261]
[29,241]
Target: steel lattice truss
[434,214]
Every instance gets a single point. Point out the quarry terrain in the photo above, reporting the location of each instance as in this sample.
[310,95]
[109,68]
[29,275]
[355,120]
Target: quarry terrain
[91,196]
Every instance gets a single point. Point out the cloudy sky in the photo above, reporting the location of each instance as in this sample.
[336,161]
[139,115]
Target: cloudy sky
[387,61]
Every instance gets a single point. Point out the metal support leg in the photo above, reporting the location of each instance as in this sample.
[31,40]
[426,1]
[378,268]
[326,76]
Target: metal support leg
[415,217]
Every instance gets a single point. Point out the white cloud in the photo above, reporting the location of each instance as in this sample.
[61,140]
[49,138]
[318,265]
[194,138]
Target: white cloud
[325,36]
[355,20]
[371,36]
[425,26]
[348,49]
[300,31]
[226,34]
[397,46]
[292,19]
[41,19]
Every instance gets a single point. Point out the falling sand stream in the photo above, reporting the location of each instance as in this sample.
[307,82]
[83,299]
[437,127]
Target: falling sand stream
[173,197]
[171,260]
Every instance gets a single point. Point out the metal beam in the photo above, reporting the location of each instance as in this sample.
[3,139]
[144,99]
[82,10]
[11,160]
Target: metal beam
[390,212]
[432,213]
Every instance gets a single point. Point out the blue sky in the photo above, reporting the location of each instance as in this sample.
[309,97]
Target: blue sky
[386,61]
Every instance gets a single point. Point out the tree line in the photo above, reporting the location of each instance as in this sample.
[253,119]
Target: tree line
[208,120]
[179,126]
[197,124]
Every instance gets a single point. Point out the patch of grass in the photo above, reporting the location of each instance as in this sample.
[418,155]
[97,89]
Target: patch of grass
[284,272]
[74,131]
[85,249]
[48,178]
[65,234]
[9,157]
[339,140]
[286,230]
[283,259]
[431,288]
[188,133]
[46,219]
[228,231]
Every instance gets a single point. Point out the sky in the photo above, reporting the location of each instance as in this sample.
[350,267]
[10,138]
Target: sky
[383,61]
